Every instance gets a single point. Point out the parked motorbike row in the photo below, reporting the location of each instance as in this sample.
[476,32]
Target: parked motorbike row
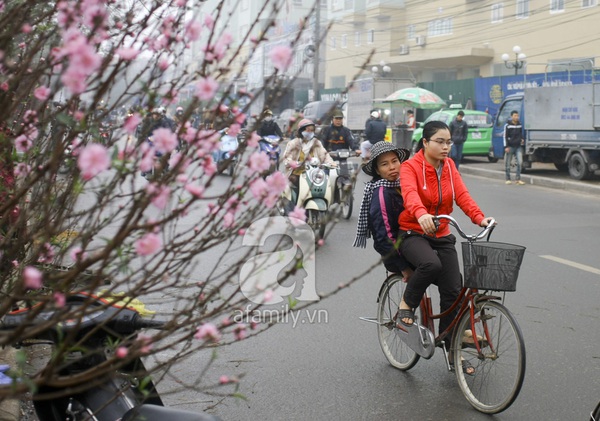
[122,393]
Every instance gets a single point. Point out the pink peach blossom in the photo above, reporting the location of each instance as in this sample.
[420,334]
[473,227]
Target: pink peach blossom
[197,191]
[22,143]
[192,30]
[127,53]
[208,331]
[146,343]
[297,214]
[164,140]
[281,56]
[206,88]
[132,122]
[259,162]
[148,244]
[32,278]
[59,299]
[42,93]
[121,352]
[159,195]
[92,160]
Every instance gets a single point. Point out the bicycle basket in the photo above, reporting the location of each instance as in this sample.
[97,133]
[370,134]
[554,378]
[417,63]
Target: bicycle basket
[491,265]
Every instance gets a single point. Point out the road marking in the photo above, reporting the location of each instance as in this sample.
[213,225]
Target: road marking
[573,264]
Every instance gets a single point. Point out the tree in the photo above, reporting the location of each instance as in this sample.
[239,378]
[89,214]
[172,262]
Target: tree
[75,213]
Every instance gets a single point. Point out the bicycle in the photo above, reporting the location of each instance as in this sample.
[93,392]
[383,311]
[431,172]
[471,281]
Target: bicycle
[486,336]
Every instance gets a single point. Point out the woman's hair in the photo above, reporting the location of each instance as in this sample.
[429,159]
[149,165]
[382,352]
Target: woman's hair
[429,130]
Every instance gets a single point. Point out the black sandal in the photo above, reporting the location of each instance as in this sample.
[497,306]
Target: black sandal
[466,366]
[406,314]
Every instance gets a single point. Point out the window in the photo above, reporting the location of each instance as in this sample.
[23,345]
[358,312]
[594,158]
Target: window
[411,32]
[371,36]
[344,41]
[439,27]
[522,9]
[332,43]
[497,12]
[557,6]
[357,38]
[589,3]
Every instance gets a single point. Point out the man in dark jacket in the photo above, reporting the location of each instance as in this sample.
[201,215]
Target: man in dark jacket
[337,136]
[513,140]
[458,133]
[374,132]
[269,127]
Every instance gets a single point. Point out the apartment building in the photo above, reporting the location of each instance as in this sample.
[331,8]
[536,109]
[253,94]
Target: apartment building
[437,40]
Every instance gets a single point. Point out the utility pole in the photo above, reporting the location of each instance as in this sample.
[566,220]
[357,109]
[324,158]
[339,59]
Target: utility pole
[317,36]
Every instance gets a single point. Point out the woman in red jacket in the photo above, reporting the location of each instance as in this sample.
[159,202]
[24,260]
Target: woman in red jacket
[430,185]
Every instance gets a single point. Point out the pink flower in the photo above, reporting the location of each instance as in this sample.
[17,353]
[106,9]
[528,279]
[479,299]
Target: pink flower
[228,220]
[22,143]
[277,182]
[22,169]
[92,160]
[209,21]
[121,352]
[159,195]
[259,162]
[267,296]
[196,191]
[164,140]
[148,244]
[206,88]
[77,254]
[208,331]
[145,342]
[281,56]
[239,332]
[42,93]
[297,214]
[163,64]
[32,278]
[59,299]
[131,123]
[224,379]
[127,53]
[26,28]
[253,140]
[192,30]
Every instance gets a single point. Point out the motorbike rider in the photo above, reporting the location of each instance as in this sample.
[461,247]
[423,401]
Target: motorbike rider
[375,130]
[269,127]
[151,122]
[337,136]
[301,149]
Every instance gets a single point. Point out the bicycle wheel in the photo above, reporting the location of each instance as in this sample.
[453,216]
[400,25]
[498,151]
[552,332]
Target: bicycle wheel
[395,350]
[500,367]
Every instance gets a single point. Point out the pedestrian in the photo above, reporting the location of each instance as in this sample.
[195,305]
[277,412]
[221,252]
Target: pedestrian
[411,121]
[337,136]
[513,143]
[458,131]
[431,185]
[375,130]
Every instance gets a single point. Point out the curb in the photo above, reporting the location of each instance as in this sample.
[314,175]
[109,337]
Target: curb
[567,185]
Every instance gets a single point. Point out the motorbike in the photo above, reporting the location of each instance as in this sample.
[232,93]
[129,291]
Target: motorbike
[344,187]
[270,145]
[125,393]
[315,194]
[106,131]
[225,158]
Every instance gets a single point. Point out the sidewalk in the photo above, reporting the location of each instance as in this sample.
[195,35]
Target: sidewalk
[544,175]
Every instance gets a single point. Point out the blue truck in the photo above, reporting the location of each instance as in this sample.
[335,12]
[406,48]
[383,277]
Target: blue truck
[561,125]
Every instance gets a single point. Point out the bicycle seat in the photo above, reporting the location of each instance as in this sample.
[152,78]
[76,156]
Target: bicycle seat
[156,413]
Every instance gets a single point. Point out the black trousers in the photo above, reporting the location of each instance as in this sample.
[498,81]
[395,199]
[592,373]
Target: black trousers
[436,262]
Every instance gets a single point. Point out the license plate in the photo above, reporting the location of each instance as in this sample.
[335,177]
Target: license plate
[476,135]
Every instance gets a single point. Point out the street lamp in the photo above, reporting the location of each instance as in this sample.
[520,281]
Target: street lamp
[519,59]
[385,69]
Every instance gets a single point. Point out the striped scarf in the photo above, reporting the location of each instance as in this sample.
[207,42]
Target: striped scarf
[362,228]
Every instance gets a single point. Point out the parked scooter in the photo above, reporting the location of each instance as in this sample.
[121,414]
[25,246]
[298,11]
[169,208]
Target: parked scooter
[315,194]
[270,145]
[127,393]
[225,158]
[344,187]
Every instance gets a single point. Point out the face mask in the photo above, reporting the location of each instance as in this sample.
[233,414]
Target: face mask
[268,118]
[308,135]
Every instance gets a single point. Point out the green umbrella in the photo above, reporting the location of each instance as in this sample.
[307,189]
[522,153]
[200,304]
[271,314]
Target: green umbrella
[416,98]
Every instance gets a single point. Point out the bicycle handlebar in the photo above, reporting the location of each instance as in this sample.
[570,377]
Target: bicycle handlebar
[469,237]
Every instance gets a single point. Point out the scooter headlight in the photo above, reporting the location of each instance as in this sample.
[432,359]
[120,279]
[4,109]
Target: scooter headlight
[318,177]
[343,154]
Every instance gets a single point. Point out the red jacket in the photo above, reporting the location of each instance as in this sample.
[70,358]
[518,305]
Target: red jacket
[423,193]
